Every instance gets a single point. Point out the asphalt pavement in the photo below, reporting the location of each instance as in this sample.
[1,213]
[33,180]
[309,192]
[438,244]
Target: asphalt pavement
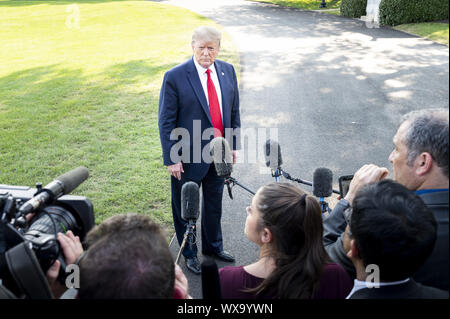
[330,89]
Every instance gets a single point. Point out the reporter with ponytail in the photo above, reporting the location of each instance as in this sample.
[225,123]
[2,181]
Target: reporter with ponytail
[286,224]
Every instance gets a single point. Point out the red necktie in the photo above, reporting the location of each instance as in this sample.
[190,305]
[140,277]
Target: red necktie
[214,107]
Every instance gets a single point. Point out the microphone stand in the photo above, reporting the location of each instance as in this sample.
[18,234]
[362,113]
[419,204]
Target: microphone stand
[324,206]
[189,232]
[230,181]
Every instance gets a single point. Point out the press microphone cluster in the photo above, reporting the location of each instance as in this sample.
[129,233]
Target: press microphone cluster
[322,180]
[190,203]
[223,163]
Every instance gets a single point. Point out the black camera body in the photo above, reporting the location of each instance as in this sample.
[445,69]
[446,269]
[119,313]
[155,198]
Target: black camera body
[66,212]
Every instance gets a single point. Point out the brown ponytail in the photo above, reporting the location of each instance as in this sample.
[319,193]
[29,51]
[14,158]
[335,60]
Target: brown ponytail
[295,221]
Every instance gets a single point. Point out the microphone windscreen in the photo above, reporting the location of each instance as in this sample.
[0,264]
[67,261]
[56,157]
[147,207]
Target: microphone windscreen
[322,182]
[190,201]
[73,178]
[272,153]
[222,156]
[211,287]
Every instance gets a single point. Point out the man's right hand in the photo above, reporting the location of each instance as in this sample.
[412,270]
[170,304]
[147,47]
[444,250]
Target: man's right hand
[175,170]
[367,174]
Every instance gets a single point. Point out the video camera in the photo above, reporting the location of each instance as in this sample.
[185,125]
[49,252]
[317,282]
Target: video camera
[27,244]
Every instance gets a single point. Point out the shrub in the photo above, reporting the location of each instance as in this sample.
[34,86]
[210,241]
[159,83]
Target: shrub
[353,8]
[394,12]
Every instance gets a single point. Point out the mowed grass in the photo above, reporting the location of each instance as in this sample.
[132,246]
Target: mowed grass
[305,4]
[432,30]
[79,86]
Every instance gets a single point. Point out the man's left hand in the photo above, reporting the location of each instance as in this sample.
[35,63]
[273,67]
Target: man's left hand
[72,249]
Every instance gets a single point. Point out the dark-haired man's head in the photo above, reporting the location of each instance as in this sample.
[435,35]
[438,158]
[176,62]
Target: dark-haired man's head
[391,228]
[127,258]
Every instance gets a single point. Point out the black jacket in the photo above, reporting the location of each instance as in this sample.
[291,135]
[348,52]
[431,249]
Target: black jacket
[407,290]
[435,270]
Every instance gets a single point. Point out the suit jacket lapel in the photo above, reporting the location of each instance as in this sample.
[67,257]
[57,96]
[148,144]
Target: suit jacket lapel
[198,89]
[224,91]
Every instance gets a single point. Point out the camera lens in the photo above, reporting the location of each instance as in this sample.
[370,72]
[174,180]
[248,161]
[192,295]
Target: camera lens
[43,230]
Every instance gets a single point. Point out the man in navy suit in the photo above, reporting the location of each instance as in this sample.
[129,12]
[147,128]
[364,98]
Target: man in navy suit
[199,100]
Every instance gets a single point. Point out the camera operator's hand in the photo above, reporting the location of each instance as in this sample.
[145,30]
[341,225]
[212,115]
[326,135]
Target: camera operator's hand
[52,275]
[367,174]
[181,289]
[71,246]
[72,249]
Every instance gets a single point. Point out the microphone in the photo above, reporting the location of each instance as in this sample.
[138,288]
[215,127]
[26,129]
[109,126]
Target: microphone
[322,182]
[189,212]
[223,163]
[211,287]
[222,157]
[190,202]
[62,185]
[273,154]
[323,186]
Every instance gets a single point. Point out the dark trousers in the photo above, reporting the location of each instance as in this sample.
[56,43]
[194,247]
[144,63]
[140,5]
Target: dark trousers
[211,213]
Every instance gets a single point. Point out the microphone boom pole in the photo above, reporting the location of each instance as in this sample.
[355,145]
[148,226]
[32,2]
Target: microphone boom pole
[231,180]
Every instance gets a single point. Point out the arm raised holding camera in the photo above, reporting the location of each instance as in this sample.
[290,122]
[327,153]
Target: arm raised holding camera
[367,174]
[334,225]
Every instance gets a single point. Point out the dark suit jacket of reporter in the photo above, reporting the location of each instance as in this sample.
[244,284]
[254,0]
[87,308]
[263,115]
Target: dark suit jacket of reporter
[408,290]
[182,100]
[434,272]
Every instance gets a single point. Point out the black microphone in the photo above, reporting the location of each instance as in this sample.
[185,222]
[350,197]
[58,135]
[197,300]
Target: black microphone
[62,185]
[272,153]
[322,182]
[189,212]
[222,157]
[190,202]
[211,287]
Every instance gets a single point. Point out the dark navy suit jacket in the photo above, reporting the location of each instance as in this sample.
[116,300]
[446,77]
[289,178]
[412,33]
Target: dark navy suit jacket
[182,101]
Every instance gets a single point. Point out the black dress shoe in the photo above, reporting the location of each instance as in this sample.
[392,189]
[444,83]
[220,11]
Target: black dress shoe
[193,265]
[223,255]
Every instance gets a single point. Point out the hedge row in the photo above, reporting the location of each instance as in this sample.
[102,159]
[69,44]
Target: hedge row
[394,12]
[353,8]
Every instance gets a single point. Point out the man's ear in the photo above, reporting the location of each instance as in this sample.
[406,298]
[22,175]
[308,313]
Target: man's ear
[266,236]
[354,251]
[423,163]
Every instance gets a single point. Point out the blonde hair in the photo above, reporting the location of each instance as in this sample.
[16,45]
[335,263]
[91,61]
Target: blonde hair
[207,34]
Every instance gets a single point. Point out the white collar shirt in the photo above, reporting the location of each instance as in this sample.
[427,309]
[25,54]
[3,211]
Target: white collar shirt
[204,78]
[363,284]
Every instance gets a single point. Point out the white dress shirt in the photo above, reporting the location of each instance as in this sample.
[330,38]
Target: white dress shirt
[204,78]
[374,285]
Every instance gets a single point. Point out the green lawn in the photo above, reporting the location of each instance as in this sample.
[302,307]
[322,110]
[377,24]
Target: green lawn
[83,89]
[305,4]
[433,30]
